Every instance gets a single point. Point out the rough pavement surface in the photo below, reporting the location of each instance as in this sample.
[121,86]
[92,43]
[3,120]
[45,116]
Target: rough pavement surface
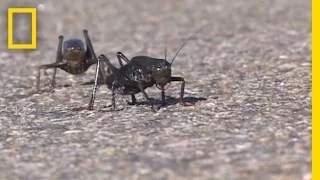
[248,73]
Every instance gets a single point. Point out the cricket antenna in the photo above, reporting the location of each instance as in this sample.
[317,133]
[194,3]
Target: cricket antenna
[165,53]
[187,41]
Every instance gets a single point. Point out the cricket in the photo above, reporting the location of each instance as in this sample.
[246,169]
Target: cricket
[73,58]
[139,73]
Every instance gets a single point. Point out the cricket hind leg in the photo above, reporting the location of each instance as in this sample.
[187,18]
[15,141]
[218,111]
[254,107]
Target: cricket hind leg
[121,57]
[94,88]
[118,77]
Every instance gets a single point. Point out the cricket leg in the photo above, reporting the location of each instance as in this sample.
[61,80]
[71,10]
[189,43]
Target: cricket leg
[147,98]
[44,68]
[58,60]
[113,69]
[182,102]
[117,75]
[123,57]
[94,88]
[133,100]
[163,97]
[90,54]
[113,100]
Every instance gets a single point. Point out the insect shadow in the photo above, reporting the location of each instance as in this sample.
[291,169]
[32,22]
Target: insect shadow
[170,101]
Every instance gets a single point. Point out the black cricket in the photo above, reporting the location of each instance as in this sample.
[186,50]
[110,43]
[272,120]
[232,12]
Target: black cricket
[73,58]
[138,74]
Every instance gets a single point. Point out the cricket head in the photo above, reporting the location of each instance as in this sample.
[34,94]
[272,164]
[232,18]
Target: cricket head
[161,72]
[73,50]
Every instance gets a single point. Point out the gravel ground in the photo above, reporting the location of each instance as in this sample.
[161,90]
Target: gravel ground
[248,73]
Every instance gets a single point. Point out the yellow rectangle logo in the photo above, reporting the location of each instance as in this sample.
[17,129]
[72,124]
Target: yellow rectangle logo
[33,12]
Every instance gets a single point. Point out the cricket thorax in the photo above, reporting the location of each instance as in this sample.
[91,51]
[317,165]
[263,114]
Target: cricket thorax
[139,76]
[75,61]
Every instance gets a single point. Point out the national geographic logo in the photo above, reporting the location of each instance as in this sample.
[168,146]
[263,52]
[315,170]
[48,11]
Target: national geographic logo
[33,12]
